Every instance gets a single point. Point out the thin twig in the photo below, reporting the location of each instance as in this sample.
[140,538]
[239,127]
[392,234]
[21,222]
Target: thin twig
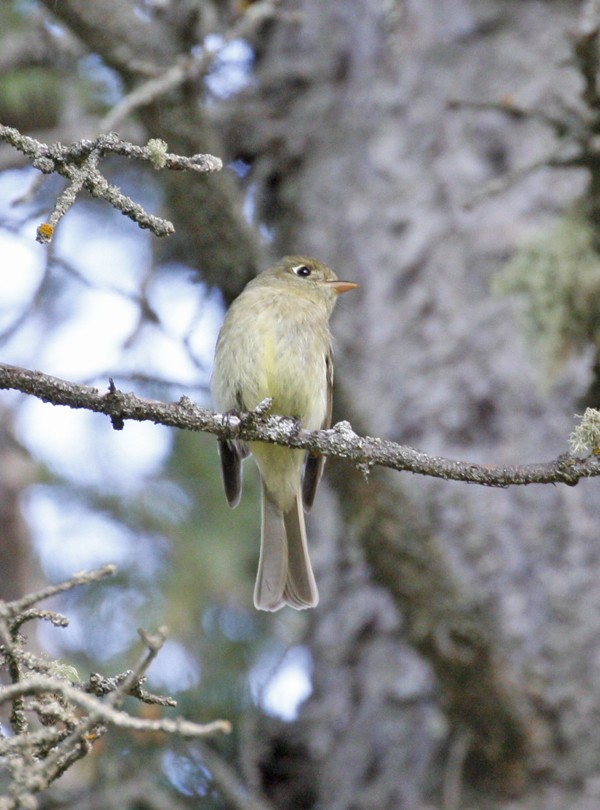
[188,68]
[17,607]
[184,70]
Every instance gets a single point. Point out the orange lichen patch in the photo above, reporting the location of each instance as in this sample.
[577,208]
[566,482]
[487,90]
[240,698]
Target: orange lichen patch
[45,232]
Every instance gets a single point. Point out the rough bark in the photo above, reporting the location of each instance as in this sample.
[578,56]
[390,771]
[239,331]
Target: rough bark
[370,172]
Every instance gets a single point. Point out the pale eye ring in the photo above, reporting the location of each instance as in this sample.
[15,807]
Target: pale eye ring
[302,270]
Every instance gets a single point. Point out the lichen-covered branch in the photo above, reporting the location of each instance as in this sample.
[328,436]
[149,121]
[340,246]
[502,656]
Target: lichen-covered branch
[40,685]
[56,718]
[341,441]
[79,164]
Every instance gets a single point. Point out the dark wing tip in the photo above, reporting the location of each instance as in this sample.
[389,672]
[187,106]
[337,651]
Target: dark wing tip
[231,468]
[313,469]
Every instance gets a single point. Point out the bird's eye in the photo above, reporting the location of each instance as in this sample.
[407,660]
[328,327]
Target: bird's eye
[302,270]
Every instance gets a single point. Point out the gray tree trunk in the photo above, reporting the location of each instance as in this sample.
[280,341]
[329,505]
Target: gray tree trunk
[364,164]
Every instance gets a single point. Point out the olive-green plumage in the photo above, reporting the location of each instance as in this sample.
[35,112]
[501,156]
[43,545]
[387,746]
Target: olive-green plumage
[275,342]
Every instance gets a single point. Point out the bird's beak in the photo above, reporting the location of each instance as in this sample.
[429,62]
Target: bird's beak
[342,286]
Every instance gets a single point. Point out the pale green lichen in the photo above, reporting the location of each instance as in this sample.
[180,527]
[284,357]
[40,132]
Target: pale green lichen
[585,438]
[157,149]
[557,277]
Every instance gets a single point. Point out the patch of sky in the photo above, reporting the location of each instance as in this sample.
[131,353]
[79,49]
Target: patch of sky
[20,346]
[106,84]
[175,669]
[102,629]
[279,685]
[160,356]
[83,447]
[187,309]
[235,624]
[142,13]
[21,271]
[110,252]
[54,640]
[240,167]
[15,185]
[250,203]
[267,233]
[90,341]
[74,537]
[187,773]
[249,208]
[231,69]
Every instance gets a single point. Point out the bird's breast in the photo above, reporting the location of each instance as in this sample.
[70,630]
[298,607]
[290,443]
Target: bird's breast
[278,353]
[291,368]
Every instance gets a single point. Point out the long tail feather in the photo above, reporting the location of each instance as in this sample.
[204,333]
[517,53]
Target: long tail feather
[300,587]
[272,565]
[284,572]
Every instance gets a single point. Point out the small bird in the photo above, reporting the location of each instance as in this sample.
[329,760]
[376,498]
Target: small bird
[275,342]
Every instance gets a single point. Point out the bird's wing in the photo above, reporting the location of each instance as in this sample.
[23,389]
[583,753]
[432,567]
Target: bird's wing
[313,468]
[232,454]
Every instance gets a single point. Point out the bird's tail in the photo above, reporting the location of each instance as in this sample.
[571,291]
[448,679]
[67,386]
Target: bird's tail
[285,575]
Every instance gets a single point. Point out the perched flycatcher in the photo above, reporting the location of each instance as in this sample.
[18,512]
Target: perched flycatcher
[275,342]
